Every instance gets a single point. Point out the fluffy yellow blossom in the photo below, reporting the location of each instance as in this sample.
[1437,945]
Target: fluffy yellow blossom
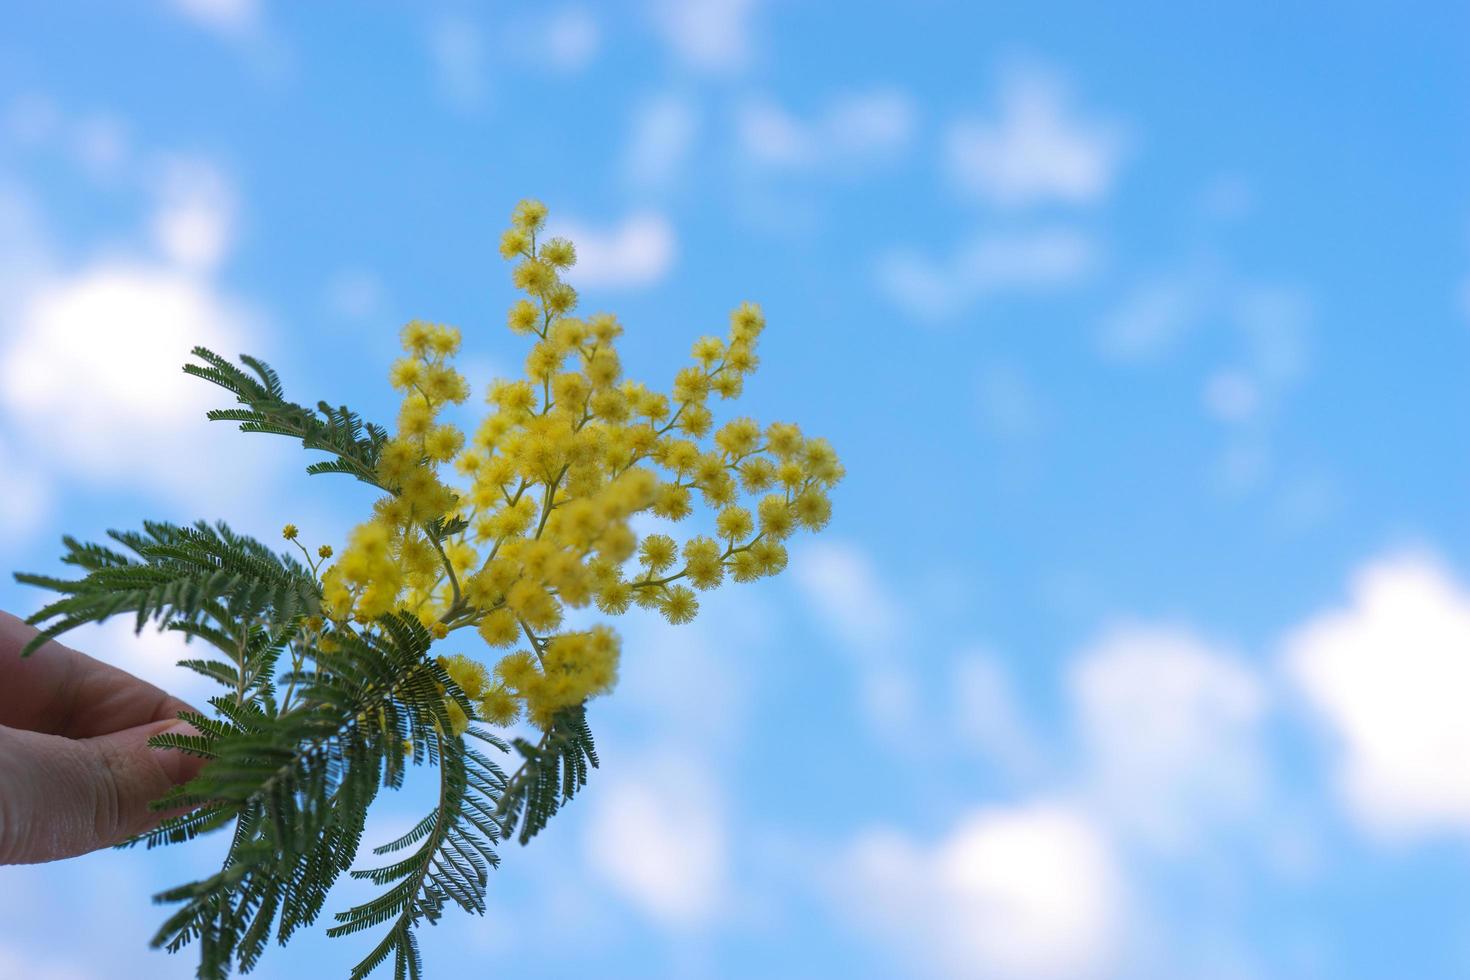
[499,706]
[470,675]
[533,513]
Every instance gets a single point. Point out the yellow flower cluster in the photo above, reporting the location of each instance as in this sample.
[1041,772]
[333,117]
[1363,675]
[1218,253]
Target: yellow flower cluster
[535,517]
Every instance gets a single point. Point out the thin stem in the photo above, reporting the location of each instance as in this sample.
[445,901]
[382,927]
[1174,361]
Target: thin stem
[448,566]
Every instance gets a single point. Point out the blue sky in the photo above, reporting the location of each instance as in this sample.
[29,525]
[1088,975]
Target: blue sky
[1137,646]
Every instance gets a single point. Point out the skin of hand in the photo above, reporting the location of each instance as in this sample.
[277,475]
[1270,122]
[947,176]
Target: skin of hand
[76,771]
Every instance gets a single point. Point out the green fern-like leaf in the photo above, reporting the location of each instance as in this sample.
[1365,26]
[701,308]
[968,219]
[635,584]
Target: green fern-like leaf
[299,784]
[175,575]
[354,444]
[451,863]
[551,772]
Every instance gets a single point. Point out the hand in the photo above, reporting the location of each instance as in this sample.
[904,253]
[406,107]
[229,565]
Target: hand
[76,771]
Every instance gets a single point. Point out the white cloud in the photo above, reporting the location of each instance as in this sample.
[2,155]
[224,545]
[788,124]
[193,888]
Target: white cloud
[842,585]
[988,717]
[870,123]
[195,204]
[1040,260]
[1387,675]
[709,35]
[230,17]
[657,835]
[92,385]
[1025,892]
[1270,321]
[855,130]
[852,603]
[637,252]
[1231,396]
[90,355]
[92,370]
[457,55]
[1155,315]
[769,135]
[1170,727]
[663,133]
[194,225]
[572,38]
[1035,150]
[1266,326]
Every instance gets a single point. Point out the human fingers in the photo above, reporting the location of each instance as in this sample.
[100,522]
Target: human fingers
[61,691]
[61,797]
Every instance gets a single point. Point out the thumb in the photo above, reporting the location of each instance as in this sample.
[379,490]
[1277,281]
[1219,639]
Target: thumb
[64,797]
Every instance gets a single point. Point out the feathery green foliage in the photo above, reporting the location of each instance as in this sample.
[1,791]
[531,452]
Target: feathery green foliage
[181,576]
[355,444]
[329,689]
[294,771]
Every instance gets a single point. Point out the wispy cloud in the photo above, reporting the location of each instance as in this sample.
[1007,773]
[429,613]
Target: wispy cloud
[843,586]
[99,144]
[1037,261]
[1231,395]
[657,835]
[988,717]
[194,222]
[707,35]
[1170,731]
[1260,332]
[1034,148]
[1156,314]
[857,607]
[565,40]
[660,141]
[232,18]
[854,131]
[635,252]
[572,39]
[457,55]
